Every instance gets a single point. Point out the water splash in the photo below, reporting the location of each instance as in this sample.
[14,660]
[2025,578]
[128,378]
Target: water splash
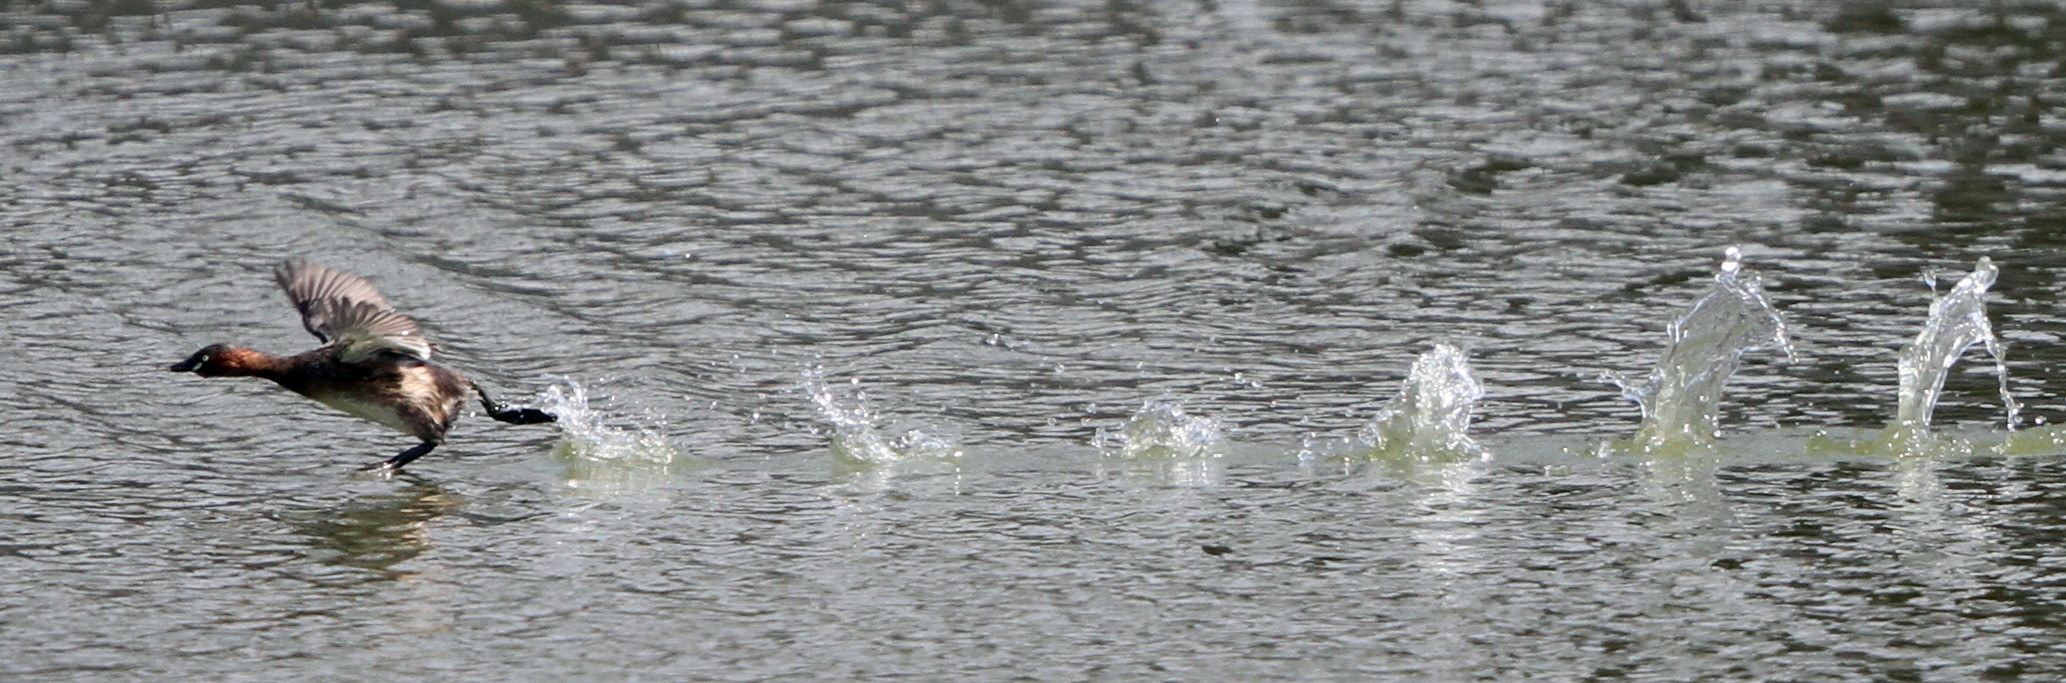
[1681,397]
[1161,429]
[1957,321]
[856,438]
[588,433]
[601,452]
[1427,421]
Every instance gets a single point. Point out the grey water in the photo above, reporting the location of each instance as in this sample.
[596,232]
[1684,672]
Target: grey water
[998,234]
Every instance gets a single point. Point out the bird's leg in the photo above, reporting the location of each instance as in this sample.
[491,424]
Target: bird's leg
[403,458]
[515,416]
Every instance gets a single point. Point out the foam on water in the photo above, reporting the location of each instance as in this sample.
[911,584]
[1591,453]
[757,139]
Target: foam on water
[857,439]
[1167,472]
[2041,440]
[1161,429]
[1428,419]
[1681,397]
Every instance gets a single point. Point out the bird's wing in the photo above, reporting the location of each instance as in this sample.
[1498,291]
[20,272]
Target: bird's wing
[346,312]
[308,284]
[360,330]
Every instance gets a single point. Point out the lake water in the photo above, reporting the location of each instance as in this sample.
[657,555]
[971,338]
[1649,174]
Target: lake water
[733,235]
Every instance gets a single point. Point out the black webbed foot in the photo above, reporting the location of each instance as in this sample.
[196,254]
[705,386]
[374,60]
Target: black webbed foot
[522,416]
[515,416]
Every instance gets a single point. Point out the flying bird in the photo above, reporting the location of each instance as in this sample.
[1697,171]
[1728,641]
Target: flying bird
[373,364]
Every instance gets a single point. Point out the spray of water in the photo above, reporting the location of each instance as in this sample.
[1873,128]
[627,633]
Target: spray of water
[606,452]
[1958,320]
[858,440]
[1427,421]
[1682,395]
[1161,429]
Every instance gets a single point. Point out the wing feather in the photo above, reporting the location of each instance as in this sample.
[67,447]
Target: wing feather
[346,312]
[309,284]
[362,330]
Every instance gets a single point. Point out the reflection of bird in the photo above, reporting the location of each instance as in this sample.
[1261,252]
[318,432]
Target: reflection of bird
[373,363]
[377,532]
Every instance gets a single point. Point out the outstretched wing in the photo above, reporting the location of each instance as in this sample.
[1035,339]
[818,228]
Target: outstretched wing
[309,284]
[345,311]
[359,330]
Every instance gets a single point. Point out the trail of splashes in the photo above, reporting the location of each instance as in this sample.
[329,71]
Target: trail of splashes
[857,440]
[1682,395]
[1161,429]
[1957,321]
[1429,418]
[587,432]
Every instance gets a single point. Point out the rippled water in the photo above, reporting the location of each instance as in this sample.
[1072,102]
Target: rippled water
[1014,223]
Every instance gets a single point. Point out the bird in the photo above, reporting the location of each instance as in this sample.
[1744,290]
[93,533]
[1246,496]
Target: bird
[374,363]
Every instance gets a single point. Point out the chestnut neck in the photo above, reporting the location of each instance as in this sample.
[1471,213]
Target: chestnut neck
[243,362]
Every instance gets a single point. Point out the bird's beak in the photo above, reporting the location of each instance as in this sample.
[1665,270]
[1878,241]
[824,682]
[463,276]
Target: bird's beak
[191,364]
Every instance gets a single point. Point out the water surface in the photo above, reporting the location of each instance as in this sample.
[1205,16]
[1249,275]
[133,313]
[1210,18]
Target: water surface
[1013,224]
